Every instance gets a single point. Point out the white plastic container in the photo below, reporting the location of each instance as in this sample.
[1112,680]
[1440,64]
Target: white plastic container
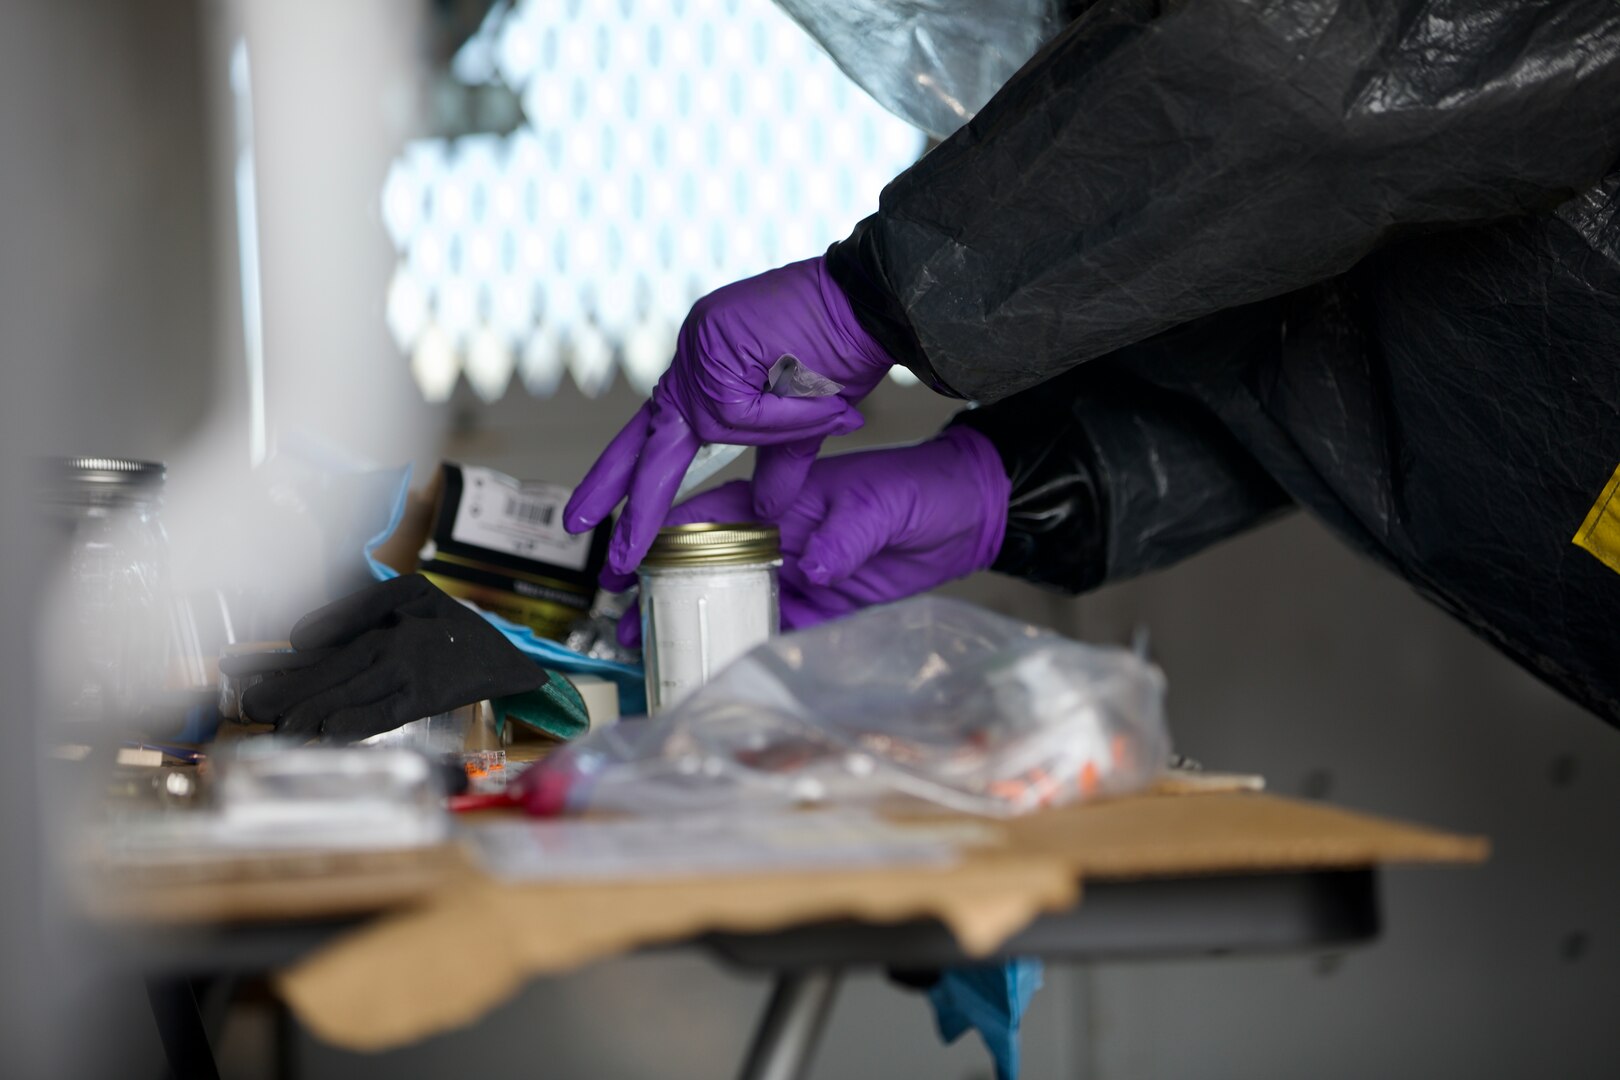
[708,595]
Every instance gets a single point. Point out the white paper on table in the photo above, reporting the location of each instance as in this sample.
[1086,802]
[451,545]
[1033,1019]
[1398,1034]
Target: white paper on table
[714,844]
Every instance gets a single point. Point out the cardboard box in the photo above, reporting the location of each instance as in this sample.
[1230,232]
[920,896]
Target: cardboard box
[406,976]
[497,542]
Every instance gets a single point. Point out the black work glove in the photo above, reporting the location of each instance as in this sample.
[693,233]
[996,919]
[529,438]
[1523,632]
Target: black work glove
[379,658]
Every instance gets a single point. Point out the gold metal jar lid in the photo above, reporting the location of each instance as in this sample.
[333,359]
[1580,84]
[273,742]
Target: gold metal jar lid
[708,544]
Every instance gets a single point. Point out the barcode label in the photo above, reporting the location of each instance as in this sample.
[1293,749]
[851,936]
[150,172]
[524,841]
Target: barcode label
[531,512]
[497,513]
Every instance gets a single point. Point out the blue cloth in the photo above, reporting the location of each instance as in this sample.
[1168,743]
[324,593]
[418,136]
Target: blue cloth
[548,654]
[201,724]
[990,998]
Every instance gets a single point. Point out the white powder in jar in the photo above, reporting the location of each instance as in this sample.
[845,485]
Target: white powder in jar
[696,620]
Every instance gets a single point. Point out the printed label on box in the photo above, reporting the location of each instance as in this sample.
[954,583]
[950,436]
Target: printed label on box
[498,513]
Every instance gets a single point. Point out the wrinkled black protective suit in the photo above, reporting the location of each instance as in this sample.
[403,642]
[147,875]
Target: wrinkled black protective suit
[1210,259]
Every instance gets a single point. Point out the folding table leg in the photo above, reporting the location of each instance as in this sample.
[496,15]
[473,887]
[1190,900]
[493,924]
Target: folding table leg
[785,1040]
[286,1040]
[180,1026]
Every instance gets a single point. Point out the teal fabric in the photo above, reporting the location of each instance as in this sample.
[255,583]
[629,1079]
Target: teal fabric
[555,709]
[991,999]
[548,654]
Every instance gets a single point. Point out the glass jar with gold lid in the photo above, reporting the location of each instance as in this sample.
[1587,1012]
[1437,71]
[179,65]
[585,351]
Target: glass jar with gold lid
[708,595]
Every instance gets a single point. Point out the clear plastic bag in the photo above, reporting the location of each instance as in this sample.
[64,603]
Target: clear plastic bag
[930,698]
[933,63]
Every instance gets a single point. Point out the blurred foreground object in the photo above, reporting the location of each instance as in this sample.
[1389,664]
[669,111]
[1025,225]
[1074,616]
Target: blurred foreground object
[376,798]
[116,640]
[273,797]
[929,698]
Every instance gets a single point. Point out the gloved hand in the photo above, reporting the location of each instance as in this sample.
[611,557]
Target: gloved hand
[870,527]
[716,391]
[379,658]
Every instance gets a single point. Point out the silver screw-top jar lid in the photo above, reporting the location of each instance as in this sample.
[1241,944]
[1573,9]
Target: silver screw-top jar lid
[114,472]
[98,480]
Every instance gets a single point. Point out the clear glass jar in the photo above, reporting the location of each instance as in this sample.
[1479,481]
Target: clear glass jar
[708,595]
[110,641]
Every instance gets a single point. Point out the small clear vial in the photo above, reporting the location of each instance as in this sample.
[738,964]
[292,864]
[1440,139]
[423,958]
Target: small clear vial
[708,595]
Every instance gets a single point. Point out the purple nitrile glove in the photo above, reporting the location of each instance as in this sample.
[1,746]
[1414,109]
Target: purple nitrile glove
[869,527]
[716,390]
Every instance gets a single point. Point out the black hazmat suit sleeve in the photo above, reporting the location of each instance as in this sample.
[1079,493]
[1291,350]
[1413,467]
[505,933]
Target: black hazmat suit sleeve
[1113,476]
[1160,161]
